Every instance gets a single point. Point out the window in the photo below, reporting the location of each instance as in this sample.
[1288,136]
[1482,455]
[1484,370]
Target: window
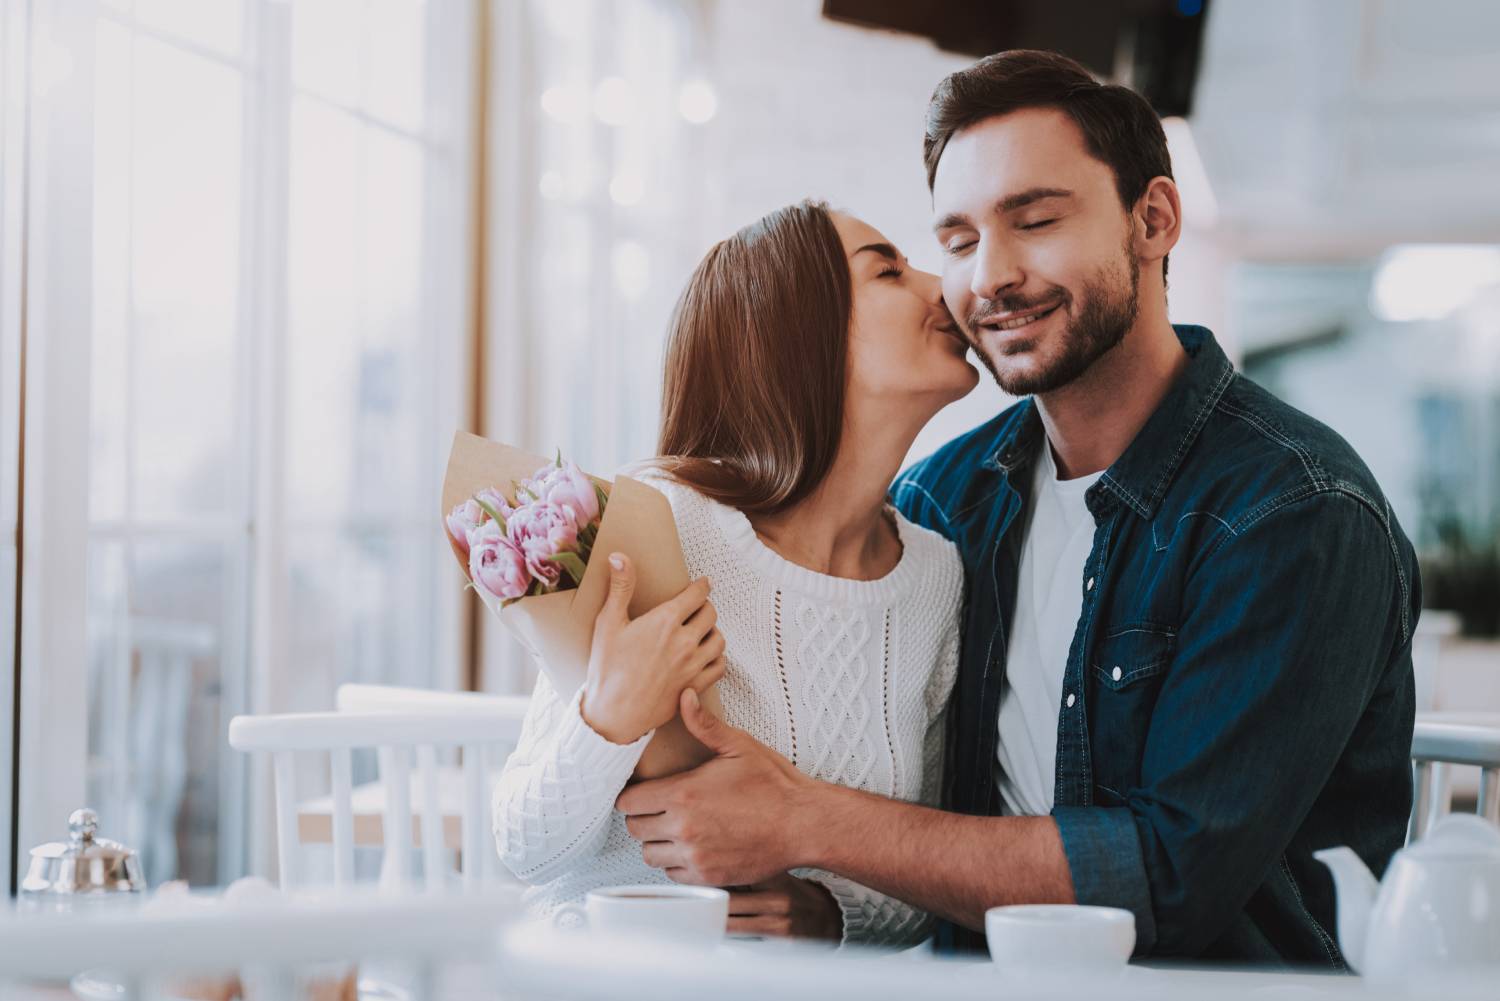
[277,353]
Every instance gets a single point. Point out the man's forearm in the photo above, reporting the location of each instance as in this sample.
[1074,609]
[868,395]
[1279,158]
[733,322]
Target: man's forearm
[949,864]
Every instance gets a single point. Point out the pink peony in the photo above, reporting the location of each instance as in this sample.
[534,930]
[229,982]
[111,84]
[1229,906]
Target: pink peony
[496,501]
[496,564]
[542,530]
[462,520]
[568,485]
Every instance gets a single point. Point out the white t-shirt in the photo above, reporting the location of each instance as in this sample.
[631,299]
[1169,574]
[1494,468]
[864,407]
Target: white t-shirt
[1049,598]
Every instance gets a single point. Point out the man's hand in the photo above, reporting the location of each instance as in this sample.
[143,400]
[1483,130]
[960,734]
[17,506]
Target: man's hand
[786,907]
[732,821]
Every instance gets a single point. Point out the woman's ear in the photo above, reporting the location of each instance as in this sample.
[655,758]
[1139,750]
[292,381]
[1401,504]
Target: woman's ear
[1158,217]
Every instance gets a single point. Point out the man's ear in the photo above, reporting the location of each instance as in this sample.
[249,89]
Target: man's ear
[1158,219]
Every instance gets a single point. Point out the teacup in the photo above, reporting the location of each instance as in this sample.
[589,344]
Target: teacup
[1045,939]
[681,913]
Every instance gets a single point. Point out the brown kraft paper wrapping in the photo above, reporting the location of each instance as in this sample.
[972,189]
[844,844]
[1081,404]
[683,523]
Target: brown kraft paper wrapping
[559,628]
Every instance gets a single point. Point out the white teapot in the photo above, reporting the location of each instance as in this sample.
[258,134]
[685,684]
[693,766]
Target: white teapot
[1436,913]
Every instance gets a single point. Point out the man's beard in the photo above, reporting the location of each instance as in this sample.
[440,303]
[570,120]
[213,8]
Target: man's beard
[1109,305]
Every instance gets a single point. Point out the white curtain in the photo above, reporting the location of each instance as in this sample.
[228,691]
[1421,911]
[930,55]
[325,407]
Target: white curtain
[596,154]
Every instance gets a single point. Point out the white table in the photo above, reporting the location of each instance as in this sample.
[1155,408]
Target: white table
[434,937]
[537,961]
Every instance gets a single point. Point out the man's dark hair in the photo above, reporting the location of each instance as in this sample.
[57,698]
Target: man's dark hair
[1119,127]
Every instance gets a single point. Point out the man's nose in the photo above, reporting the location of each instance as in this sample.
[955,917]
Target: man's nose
[996,270]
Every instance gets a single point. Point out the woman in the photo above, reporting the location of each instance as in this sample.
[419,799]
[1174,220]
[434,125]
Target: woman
[804,357]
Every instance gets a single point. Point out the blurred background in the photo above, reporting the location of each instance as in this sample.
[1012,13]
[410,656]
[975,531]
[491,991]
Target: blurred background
[262,257]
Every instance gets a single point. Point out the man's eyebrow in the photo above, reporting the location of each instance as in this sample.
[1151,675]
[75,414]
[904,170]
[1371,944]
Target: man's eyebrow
[1009,203]
[1023,198]
[883,249]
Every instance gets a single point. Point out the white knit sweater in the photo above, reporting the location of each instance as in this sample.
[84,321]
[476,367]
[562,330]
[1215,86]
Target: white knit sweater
[848,679]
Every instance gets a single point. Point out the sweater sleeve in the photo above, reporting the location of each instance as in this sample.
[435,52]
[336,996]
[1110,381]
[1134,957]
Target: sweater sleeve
[870,917]
[553,802]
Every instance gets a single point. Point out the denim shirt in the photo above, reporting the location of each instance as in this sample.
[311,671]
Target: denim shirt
[1238,691]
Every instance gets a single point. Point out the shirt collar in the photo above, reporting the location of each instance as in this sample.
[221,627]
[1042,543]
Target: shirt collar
[1140,476]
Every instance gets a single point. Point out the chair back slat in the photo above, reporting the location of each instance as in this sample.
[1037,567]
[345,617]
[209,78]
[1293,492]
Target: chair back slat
[395,775]
[1489,794]
[476,809]
[1440,797]
[434,867]
[286,818]
[1421,790]
[341,773]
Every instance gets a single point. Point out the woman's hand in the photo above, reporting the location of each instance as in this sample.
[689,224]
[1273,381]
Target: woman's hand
[638,669]
[786,907]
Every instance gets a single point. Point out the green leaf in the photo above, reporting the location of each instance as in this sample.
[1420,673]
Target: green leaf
[603,498]
[493,514]
[572,564]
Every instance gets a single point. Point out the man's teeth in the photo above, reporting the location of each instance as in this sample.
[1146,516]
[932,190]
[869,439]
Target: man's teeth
[1021,321]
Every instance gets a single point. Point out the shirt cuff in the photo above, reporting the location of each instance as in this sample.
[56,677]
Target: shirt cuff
[1103,848]
[592,752]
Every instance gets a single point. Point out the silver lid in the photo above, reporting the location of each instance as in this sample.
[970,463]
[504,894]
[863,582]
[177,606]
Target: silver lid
[84,863]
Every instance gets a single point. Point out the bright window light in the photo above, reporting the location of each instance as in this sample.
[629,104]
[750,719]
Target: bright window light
[632,266]
[697,102]
[1430,281]
[562,103]
[627,189]
[614,101]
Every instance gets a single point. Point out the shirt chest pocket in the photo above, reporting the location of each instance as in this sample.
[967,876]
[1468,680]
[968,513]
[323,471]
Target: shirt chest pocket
[1125,670]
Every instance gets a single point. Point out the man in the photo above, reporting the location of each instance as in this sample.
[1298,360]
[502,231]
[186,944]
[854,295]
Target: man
[1187,647]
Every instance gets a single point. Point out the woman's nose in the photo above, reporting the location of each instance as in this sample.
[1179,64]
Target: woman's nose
[931,285]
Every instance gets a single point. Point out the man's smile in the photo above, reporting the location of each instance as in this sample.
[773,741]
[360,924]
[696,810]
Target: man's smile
[1016,319]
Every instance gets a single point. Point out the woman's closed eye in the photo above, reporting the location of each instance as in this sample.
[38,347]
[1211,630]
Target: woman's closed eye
[889,271]
[1039,224]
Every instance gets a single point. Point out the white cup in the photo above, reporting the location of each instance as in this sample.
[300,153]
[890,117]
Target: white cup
[680,913]
[1048,939]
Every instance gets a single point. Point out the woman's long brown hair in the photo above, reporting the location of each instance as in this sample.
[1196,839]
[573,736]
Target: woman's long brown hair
[753,393]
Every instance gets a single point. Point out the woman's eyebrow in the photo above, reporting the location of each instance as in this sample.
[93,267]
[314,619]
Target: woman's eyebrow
[883,249]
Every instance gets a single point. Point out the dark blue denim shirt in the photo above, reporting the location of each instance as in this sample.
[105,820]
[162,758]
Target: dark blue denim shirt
[1238,692]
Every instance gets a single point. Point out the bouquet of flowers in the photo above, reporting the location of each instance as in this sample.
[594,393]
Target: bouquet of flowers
[538,545]
[528,552]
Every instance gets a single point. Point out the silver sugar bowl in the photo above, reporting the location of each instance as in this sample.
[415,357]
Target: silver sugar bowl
[85,869]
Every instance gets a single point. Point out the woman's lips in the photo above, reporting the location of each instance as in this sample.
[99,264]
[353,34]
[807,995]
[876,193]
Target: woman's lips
[951,329]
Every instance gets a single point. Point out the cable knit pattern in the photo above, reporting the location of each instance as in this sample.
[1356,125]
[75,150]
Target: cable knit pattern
[848,679]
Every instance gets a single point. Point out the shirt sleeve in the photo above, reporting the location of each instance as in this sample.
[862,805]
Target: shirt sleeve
[1287,627]
[553,802]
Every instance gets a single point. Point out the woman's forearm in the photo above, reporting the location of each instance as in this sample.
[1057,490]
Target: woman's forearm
[569,777]
[952,865]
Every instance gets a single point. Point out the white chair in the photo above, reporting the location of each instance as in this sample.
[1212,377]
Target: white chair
[507,710]
[1441,741]
[396,737]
